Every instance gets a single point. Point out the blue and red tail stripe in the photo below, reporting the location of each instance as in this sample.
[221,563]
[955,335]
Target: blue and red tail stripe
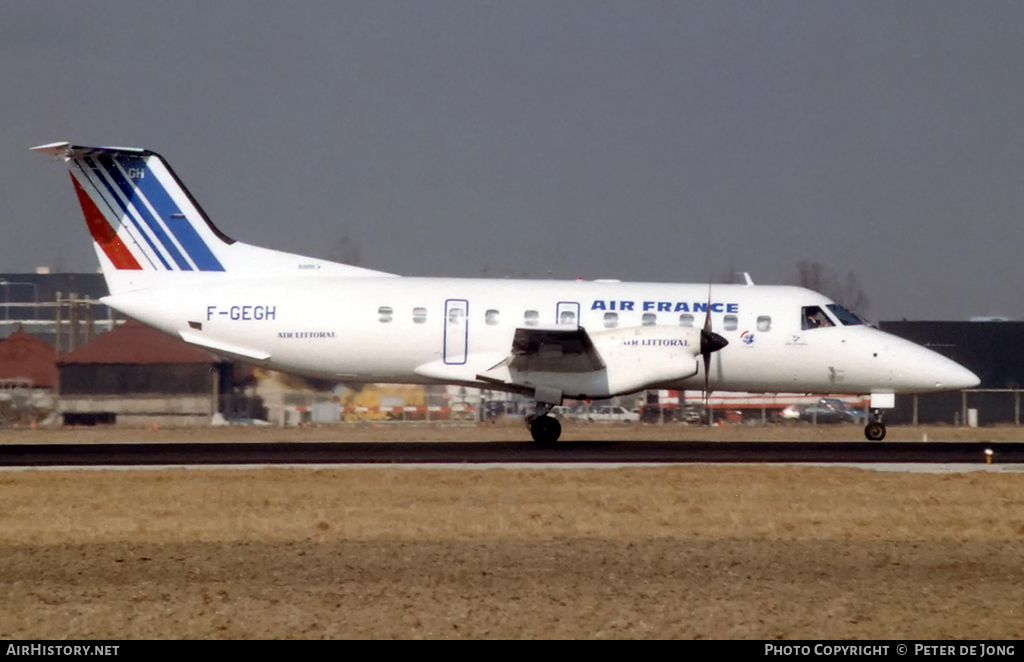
[104,236]
[174,219]
[133,206]
[139,213]
[142,200]
[118,210]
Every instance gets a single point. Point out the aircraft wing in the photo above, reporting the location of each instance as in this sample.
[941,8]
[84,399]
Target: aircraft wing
[554,350]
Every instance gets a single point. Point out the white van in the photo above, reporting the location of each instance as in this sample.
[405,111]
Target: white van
[611,414]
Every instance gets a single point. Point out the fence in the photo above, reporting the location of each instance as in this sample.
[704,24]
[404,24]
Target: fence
[67,323]
[972,407]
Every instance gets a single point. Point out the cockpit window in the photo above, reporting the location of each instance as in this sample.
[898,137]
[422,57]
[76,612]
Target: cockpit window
[815,318]
[845,316]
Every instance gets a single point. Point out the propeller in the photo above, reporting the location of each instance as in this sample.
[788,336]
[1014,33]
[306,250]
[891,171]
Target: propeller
[709,342]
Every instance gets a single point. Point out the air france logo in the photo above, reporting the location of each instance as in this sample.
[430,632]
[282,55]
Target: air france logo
[666,306]
[747,337]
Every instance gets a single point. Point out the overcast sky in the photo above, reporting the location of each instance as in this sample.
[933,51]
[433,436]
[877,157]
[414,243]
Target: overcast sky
[656,141]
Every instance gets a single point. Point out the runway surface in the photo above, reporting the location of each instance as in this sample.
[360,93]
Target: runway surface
[144,454]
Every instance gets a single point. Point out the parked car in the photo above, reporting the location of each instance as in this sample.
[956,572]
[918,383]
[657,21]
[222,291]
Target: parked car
[828,410]
[685,414]
[691,414]
[791,413]
[856,415]
[610,414]
[826,413]
[561,412]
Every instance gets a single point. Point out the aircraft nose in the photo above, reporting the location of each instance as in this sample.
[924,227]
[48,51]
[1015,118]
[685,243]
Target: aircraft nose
[947,375]
[956,377]
[922,370]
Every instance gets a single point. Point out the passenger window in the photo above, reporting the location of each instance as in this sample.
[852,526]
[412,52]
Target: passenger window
[491,317]
[385,313]
[531,318]
[764,323]
[815,318]
[567,317]
[649,319]
[730,322]
[686,319]
[419,315]
[611,320]
[455,315]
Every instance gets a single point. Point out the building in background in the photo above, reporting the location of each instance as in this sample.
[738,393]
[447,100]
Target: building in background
[138,375]
[28,377]
[993,350]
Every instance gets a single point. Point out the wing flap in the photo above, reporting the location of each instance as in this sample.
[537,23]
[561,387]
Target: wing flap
[554,350]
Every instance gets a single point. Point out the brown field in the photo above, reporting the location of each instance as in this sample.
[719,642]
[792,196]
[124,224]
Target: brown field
[696,551]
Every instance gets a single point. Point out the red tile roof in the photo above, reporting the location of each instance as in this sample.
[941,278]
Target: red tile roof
[135,343]
[24,356]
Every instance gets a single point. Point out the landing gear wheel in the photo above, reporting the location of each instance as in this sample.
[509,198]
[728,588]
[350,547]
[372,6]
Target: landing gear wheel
[545,429]
[874,431]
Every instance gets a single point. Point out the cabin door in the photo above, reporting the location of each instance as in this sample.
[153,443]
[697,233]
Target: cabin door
[568,314]
[456,331]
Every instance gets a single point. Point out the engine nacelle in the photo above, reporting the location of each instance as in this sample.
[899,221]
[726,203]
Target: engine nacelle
[639,356]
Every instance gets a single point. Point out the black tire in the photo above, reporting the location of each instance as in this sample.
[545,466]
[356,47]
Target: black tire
[545,429]
[874,431]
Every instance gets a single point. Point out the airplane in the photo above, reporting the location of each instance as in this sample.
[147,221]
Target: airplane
[167,265]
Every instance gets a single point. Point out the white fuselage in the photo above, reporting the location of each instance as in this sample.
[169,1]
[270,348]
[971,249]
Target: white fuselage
[435,330]
[168,266]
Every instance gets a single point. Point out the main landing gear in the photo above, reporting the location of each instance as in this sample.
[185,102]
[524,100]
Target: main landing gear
[544,429]
[875,430]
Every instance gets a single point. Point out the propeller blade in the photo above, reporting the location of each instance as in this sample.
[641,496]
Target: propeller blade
[709,342]
[707,383]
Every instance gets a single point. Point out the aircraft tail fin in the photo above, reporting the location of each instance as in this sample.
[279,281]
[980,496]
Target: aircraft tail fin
[139,214]
[146,225]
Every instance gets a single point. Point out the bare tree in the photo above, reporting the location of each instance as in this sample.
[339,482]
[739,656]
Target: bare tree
[347,250]
[847,292]
[730,275]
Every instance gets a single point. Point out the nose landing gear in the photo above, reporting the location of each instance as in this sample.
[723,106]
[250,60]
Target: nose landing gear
[875,430]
